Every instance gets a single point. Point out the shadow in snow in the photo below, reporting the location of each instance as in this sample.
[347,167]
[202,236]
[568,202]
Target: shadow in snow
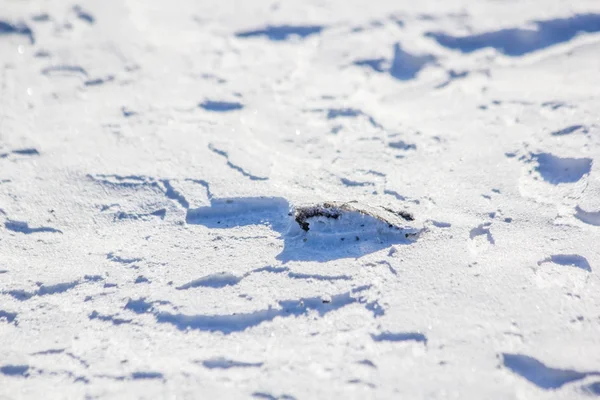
[8,316]
[224,279]
[399,337]
[83,15]
[282,32]
[43,290]
[587,217]
[569,260]
[269,396]
[516,42]
[6,28]
[14,370]
[240,322]
[539,374]
[569,130]
[220,106]
[482,230]
[592,389]
[224,363]
[406,66]
[217,280]
[555,170]
[403,66]
[23,227]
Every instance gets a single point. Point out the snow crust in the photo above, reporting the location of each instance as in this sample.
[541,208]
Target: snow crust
[153,157]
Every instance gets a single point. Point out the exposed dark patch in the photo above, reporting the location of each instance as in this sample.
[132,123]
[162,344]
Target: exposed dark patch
[399,337]
[14,370]
[220,106]
[516,42]
[570,260]
[224,363]
[539,374]
[282,32]
[83,15]
[401,213]
[23,227]
[9,317]
[335,210]
[6,28]
[569,129]
[327,211]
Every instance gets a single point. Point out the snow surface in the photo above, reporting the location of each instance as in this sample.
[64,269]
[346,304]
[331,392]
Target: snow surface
[152,154]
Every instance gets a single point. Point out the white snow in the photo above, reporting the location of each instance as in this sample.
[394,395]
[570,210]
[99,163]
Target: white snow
[153,154]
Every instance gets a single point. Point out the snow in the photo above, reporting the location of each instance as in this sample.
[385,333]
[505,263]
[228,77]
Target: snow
[153,157]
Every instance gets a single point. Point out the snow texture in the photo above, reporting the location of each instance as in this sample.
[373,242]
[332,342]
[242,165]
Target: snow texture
[300,199]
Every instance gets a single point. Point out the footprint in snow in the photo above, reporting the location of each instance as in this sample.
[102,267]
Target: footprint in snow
[318,232]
